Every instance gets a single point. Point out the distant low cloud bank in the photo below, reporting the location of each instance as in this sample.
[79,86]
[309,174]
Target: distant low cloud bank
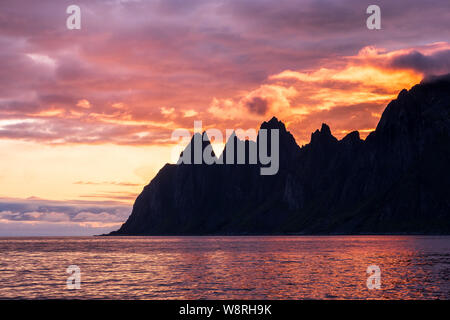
[38,217]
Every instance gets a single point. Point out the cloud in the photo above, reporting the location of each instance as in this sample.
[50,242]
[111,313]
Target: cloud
[45,217]
[104,217]
[257,105]
[47,129]
[433,64]
[83,103]
[151,69]
[115,195]
[189,113]
[348,96]
[114,183]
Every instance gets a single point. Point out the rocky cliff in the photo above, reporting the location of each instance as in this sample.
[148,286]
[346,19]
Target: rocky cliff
[397,180]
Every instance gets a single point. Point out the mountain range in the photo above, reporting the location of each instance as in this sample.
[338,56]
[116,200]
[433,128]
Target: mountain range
[396,181]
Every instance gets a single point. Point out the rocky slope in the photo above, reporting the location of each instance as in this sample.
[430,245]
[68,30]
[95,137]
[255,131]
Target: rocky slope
[395,181]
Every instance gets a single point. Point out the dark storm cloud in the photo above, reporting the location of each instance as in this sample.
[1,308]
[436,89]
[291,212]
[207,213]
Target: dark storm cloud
[438,62]
[257,105]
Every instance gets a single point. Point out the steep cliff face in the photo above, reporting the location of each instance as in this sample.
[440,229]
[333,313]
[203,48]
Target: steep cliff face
[395,181]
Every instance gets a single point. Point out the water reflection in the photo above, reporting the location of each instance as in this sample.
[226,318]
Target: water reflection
[226,267]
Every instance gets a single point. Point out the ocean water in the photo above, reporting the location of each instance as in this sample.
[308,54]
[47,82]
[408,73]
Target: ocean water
[303,267]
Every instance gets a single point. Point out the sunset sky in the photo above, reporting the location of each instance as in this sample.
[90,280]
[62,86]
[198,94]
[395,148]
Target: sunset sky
[86,115]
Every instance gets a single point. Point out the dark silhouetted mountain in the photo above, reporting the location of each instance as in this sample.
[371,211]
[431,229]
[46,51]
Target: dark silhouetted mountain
[397,180]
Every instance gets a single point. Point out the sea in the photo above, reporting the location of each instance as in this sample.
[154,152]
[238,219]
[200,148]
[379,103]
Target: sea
[225,267]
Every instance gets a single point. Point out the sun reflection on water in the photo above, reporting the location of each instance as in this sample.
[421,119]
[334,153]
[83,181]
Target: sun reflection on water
[329,267]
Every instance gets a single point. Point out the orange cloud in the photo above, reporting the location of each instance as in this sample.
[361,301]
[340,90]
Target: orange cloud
[348,96]
[349,93]
[83,103]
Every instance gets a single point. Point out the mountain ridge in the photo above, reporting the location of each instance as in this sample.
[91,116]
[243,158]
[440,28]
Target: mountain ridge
[396,181]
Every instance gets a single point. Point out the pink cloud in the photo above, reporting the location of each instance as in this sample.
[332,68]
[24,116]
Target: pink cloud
[152,69]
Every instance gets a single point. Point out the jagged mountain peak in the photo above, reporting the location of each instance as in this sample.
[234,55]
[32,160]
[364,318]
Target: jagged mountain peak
[397,180]
[198,140]
[286,139]
[325,129]
[322,135]
[406,112]
[273,123]
[352,138]
[440,79]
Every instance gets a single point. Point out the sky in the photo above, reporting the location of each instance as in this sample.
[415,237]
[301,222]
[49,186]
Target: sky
[86,116]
